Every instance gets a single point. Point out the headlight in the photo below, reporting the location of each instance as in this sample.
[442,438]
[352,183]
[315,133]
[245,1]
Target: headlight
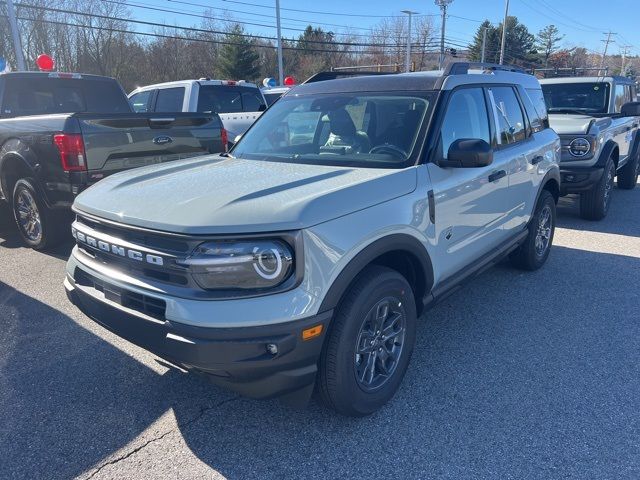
[579,147]
[241,265]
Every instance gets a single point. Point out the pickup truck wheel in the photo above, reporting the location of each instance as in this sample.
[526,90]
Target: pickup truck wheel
[35,221]
[595,203]
[370,343]
[533,253]
[628,176]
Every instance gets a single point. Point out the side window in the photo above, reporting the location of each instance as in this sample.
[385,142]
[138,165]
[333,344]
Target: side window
[620,97]
[509,117]
[537,98]
[466,117]
[170,100]
[140,101]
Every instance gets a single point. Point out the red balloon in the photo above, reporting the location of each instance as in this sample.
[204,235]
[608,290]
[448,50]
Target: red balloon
[289,81]
[45,62]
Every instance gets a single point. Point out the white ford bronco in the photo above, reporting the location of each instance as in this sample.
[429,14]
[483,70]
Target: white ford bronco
[306,255]
[598,121]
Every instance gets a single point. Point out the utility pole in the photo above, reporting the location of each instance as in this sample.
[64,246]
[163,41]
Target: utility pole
[407,62]
[17,46]
[443,4]
[606,46]
[625,51]
[504,32]
[484,44]
[280,66]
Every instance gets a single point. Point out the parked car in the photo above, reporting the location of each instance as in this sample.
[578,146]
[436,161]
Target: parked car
[598,122]
[271,94]
[238,103]
[60,133]
[283,264]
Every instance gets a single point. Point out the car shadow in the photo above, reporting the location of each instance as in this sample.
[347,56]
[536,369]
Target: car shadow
[68,399]
[621,220]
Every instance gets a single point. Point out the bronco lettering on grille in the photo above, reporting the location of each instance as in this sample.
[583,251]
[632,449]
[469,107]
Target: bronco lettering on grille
[114,249]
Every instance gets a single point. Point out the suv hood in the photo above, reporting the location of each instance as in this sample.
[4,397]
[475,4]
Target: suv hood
[218,195]
[564,123]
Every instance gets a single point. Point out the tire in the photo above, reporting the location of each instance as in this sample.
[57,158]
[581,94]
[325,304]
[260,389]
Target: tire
[377,293]
[595,203]
[628,175]
[37,224]
[533,253]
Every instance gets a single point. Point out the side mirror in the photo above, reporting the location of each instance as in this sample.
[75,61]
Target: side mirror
[468,153]
[630,109]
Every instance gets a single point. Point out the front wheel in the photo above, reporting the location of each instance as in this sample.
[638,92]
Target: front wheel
[370,343]
[533,253]
[595,203]
[36,223]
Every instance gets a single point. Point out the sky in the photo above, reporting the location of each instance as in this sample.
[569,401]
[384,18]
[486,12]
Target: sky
[583,22]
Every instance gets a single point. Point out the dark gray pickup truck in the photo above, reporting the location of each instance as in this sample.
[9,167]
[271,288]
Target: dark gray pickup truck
[60,133]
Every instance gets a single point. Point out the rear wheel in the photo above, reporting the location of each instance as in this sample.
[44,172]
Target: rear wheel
[628,175]
[533,253]
[595,203]
[370,343]
[37,224]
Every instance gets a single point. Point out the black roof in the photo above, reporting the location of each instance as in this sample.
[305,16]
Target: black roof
[371,83]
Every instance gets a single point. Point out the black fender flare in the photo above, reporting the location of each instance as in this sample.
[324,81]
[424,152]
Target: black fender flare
[15,149]
[392,243]
[635,145]
[605,153]
[552,174]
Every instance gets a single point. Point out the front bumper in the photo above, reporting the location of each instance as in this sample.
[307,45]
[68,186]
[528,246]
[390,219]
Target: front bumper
[238,359]
[579,179]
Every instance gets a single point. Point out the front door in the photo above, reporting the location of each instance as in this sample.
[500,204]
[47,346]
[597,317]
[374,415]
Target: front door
[469,202]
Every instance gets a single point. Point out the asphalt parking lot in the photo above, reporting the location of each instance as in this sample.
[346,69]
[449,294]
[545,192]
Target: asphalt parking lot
[518,375]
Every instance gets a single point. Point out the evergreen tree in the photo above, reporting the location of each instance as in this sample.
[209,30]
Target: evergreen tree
[238,57]
[547,42]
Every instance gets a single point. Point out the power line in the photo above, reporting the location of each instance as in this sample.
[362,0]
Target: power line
[192,29]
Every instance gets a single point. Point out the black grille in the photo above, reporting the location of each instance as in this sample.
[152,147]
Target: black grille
[144,304]
[171,248]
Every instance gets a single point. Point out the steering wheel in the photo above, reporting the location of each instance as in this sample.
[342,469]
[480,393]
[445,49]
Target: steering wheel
[389,149]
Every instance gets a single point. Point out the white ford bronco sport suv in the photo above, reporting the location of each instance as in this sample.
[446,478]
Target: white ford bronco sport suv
[302,259]
[599,126]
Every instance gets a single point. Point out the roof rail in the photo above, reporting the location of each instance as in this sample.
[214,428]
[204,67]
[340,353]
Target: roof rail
[462,68]
[333,75]
[570,71]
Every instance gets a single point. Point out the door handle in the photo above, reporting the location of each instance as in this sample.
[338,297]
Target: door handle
[537,159]
[497,175]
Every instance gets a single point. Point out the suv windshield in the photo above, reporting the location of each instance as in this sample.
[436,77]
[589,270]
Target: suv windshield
[368,129]
[229,99]
[576,97]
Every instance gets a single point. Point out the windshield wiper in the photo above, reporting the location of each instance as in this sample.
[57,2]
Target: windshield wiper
[568,110]
[227,155]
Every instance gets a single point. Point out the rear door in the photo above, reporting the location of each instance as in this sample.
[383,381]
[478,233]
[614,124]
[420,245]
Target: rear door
[623,126]
[516,153]
[469,202]
[119,142]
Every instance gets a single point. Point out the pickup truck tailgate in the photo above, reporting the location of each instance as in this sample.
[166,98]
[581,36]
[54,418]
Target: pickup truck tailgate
[114,143]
